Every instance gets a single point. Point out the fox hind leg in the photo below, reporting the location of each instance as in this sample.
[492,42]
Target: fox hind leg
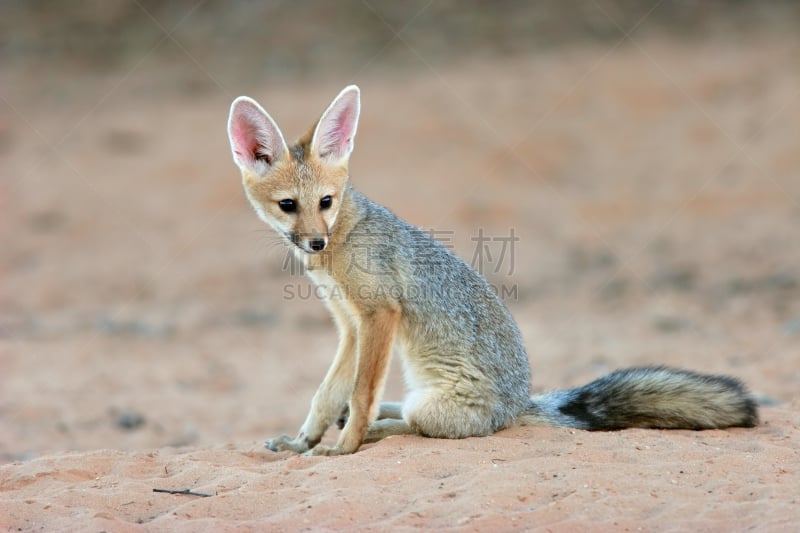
[434,414]
[386,427]
[390,410]
[387,410]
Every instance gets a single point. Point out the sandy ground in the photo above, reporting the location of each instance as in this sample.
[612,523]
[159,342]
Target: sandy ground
[152,337]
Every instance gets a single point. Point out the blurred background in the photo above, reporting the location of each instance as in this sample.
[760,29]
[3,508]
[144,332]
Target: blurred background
[645,154]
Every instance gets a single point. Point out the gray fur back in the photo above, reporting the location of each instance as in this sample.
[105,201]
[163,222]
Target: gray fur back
[456,329]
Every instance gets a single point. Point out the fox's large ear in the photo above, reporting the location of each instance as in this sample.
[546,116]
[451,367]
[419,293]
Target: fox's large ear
[336,129]
[256,142]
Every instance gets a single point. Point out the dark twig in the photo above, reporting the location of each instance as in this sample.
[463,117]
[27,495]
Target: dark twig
[184,491]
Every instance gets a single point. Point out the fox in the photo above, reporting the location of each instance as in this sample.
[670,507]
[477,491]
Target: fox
[390,284]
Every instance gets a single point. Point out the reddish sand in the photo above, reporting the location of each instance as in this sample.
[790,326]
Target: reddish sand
[151,338]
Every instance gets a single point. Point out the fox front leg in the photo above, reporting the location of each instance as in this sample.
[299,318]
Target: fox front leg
[375,337]
[325,407]
[330,398]
[328,402]
[300,444]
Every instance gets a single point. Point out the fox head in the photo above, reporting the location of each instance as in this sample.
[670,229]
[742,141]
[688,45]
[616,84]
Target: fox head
[297,190]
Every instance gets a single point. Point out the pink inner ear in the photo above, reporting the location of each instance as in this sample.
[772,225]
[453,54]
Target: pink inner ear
[336,129]
[343,132]
[245,137]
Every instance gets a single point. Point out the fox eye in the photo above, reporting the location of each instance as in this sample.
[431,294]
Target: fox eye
[287,206]
[326,202]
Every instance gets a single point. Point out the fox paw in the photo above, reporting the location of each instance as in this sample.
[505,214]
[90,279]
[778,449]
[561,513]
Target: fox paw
[326,450]
[285,442]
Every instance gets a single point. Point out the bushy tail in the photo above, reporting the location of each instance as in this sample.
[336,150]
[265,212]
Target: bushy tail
[649,397]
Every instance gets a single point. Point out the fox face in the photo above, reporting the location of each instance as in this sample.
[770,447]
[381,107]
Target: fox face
[297,190]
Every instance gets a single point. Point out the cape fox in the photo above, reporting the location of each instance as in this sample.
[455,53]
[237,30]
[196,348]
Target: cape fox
[389,282]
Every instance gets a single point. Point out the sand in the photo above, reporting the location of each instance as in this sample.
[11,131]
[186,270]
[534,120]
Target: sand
[151,335]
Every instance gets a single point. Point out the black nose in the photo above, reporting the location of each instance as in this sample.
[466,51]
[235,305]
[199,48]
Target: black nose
[317,244]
